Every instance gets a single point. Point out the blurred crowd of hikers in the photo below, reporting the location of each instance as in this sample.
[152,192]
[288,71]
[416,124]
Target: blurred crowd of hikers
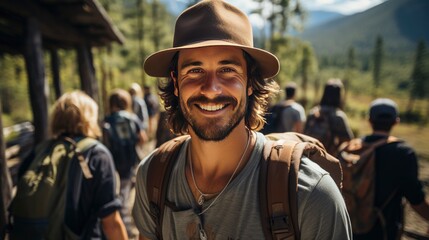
[223,179]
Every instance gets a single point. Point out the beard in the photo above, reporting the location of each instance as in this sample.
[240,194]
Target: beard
[213,129]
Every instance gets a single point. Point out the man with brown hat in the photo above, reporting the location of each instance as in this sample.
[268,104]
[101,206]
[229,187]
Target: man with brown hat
[216,91]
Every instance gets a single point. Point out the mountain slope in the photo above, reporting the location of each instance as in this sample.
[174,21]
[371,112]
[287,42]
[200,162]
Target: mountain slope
[401,23]
[316,18]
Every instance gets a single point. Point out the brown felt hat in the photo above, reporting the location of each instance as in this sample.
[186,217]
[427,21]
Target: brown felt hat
[211,23]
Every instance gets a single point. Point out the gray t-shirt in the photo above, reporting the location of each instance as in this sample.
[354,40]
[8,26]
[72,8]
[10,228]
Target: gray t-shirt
[290,115]
[322,212]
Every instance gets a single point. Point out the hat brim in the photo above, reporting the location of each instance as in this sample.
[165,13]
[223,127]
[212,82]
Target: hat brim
[157,64]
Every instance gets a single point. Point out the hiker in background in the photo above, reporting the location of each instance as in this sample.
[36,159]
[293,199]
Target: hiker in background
[82,203]
[395,176]
[139,108]
[138,104]
[163,132]
[327,122]
[152,104]
[287,115]
[216,89]
[122,133]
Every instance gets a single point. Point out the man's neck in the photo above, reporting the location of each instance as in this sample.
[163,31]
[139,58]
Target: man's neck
[380,133]
[212,160]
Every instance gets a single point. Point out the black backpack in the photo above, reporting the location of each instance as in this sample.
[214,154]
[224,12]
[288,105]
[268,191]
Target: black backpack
[273,118]
[319,125]
[122,138]
[279,171]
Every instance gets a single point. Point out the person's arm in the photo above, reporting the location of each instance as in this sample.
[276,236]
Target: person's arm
[298,127]
[143,138]
[141,209]
[342,126]
[113,226]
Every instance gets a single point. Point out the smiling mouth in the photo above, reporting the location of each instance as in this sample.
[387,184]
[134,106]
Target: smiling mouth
[212,108]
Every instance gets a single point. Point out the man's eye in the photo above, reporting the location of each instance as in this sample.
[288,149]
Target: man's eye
[196,70]
[227,70]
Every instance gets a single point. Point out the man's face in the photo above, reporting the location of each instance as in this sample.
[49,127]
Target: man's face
[211,85]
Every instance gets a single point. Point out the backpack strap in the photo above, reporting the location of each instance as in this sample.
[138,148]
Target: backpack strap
[278,182]
[79,148]
[278,201]
[158,176]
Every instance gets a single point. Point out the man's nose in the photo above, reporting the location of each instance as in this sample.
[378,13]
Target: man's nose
[211,85]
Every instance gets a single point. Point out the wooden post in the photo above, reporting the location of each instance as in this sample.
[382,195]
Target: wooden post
[55,67]
[5,181]
[33,54]
[87,72]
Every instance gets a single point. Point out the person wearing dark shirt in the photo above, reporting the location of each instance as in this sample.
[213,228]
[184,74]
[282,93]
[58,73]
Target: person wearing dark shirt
[396,174]
[123,133]
[152,104]
[91,204]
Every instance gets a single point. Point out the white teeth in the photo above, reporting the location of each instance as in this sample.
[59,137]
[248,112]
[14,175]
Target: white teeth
[212,107]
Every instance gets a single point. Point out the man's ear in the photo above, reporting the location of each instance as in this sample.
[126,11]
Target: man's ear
[249,91]
[176,88]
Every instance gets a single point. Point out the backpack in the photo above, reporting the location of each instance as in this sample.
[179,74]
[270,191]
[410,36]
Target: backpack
[319,126]
[273,118]
[282,152]
[358,163]
[122,137]
[38,208]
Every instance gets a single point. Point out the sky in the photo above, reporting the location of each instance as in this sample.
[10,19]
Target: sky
[345,7]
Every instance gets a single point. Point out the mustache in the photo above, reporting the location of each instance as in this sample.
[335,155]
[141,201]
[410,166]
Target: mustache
[204,100]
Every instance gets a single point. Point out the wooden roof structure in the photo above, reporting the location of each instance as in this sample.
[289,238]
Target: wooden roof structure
[63,24]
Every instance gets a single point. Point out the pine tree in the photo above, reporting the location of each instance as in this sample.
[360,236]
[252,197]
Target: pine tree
[378,63]
[420,76]
[305,69]
[351,66]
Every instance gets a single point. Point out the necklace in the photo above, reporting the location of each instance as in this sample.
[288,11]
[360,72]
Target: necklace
[202,196]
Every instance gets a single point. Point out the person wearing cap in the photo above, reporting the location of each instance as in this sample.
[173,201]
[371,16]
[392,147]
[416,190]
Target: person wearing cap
[396,169]
[216,90]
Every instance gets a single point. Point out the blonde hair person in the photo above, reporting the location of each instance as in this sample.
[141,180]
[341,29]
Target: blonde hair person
[75,114]
[91,206]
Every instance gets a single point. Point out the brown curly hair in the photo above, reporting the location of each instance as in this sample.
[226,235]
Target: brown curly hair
[263,90]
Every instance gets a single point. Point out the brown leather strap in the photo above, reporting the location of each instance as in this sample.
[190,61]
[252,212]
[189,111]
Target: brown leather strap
[278,200]
[158,176]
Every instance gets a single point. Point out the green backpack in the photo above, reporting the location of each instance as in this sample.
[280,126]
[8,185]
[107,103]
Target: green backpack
[38,208]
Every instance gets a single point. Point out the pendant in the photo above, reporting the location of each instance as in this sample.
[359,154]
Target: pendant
[203,235]
[201,200]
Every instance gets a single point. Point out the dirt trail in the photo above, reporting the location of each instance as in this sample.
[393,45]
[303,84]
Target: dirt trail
[413,222]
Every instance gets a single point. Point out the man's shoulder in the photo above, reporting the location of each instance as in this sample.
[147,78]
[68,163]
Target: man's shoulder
[98,153]
[310,172]
[396,148]
[157,154]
